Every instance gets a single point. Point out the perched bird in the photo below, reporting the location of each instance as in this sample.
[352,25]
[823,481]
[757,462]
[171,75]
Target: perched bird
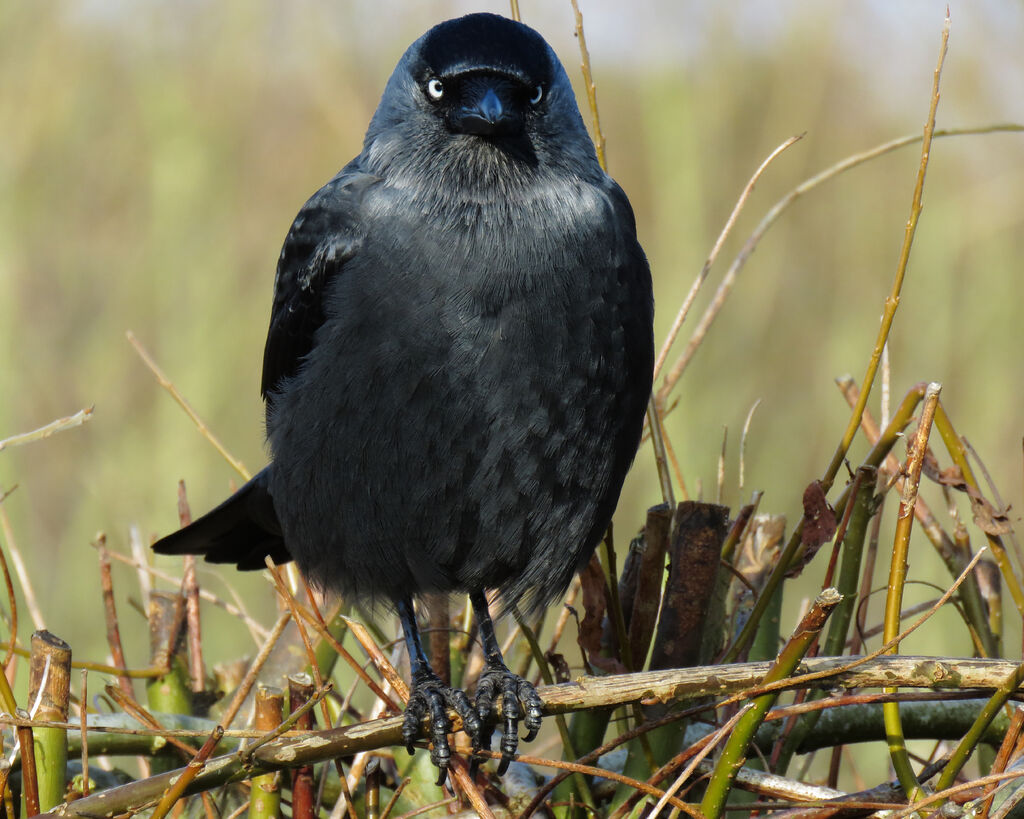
[458,363]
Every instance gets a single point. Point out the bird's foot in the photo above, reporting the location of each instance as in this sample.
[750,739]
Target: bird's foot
[431,697]
[519,701]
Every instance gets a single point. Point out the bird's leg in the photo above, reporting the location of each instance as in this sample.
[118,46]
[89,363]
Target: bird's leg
[429,695]
[519,699]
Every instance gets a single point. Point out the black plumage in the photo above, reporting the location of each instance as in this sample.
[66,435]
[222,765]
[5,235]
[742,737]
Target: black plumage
[459,358]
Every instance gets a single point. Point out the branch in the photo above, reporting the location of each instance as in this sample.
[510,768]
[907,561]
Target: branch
[586,692]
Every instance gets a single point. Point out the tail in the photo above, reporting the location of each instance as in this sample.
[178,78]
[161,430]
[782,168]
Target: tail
[243,530]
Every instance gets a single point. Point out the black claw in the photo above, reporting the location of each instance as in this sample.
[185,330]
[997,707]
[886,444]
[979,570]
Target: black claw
[519,702]
[430,696]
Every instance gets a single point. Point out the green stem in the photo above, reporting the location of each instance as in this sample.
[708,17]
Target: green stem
[849,580]
[902,417]
[897,580]
[853,550]
[971,739]
[739,740]
[50,687]
[579,780]
[959,456]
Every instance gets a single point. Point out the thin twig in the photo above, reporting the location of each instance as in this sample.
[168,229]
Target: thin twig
[12,603]
[45,431]
[258,631]
[190,591]
[110,615]
[192,770]
[83,713]
[943,795]
[893,300]
[743,442]
[953,558]
[254,669]
[955,447]
[29,776]
[382,663]
[394,798]
[293,604]
[19,569]
[136,711]
[591,89]
[709,744]
[168,385]
[684,309]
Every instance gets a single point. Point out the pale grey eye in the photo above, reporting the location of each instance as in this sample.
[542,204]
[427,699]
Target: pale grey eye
[435,89]
[538,94]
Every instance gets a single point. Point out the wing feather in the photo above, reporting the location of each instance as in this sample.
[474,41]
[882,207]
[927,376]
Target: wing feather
[324,236]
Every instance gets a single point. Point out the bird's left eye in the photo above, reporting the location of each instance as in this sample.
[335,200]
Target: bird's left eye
[435,89]
[538,95]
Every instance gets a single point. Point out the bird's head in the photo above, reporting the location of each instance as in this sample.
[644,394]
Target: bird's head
[482,91]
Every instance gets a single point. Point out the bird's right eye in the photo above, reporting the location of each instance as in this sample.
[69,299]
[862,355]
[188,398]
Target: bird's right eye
[435,89]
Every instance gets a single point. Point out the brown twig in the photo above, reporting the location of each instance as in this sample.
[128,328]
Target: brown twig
[135,710]
[168,385]
[24,581]
[1003,756]
[943,795]
[257,629]
[293,605]
[190,591]
[300,692]
[265,798]
[254,669]
[29,775]
[12,603]
[83,714]
[394,798]
[110,615]
[192,770]
[382,663]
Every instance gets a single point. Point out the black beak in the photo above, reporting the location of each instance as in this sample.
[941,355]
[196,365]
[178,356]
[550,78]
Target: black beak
[487,111]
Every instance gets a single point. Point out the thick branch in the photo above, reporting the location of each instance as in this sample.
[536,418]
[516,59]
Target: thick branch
[677,685]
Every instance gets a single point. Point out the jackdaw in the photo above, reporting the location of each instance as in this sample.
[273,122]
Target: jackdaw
[458,363]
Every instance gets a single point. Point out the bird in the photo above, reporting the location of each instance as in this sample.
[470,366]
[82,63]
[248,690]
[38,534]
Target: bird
[457,367]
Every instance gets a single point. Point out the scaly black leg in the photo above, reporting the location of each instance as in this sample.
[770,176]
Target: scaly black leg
[517,694]
[429,695]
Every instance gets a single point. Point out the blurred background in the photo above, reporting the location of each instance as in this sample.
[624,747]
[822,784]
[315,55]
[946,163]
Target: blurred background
[153,155]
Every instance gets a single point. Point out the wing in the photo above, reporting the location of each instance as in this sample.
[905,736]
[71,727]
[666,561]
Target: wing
[325,234]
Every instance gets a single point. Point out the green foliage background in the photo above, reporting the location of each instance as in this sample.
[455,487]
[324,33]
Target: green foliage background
[152,156]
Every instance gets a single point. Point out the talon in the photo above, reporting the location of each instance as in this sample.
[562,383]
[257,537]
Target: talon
[519,702]
[429,696]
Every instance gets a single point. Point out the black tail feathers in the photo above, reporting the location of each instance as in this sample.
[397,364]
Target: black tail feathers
[243,530]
